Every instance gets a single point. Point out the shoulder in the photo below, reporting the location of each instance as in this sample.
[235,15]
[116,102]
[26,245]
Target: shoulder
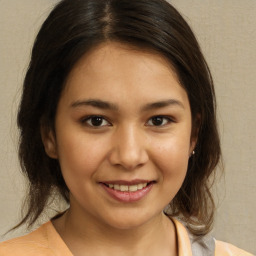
[190,244]
[35,243]
[225,249]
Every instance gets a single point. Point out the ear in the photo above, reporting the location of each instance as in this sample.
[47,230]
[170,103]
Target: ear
[196,124]
[49,141]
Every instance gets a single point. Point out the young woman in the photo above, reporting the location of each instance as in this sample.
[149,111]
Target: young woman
[118,117]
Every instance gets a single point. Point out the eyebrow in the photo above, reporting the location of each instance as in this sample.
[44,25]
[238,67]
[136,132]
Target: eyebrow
[95,103]
[162,104]
[110,106]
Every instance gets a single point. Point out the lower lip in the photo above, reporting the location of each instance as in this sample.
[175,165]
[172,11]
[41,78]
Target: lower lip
[127,196]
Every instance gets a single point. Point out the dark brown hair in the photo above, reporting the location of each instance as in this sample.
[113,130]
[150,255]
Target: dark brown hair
[72,29]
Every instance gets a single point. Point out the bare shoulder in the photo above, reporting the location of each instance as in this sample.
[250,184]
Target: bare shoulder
[226,249]
[34,243]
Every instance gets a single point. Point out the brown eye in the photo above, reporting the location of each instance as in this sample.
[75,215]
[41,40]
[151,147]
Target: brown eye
[96,121]
[158,121]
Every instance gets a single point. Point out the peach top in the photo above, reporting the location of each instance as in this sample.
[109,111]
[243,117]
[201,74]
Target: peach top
[45,241]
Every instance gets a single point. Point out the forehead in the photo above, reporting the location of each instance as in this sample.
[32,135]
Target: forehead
[114,70]
[120,53]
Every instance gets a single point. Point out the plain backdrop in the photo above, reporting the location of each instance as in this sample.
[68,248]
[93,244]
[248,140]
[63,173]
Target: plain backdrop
[226,31]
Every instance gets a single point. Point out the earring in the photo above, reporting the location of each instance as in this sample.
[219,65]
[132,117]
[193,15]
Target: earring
[193,152]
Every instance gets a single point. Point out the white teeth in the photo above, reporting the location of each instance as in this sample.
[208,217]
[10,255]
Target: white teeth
[140,186]
[116,187]
[133,188]
[124,188]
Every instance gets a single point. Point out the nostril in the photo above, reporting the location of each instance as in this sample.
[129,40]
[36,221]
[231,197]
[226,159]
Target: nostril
[128,159]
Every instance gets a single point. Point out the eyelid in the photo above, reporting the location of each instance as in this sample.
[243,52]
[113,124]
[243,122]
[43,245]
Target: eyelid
[85,119]
[168,118]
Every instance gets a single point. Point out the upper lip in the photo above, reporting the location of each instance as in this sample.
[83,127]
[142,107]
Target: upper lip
[126,182]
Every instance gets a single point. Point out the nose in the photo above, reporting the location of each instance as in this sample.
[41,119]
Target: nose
[129,149]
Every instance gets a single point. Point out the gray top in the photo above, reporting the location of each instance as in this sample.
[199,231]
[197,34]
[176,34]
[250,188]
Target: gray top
[202,245]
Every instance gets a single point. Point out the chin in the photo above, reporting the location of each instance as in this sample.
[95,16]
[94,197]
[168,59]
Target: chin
[129,220]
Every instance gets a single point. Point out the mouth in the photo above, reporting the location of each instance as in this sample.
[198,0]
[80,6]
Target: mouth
[127,187]
[128,191]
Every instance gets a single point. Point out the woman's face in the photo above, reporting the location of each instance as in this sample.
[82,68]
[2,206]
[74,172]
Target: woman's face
[123,136]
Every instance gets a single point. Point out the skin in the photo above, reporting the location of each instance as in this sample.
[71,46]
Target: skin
[127,145]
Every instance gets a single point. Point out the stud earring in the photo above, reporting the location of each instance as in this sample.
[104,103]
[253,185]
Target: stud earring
[193,152]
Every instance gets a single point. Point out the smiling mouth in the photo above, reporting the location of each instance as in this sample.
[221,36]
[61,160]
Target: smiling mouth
[128,191]
[128,188]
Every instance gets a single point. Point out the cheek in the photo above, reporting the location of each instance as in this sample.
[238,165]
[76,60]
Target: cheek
[80,154]
[172,163]
[171,158]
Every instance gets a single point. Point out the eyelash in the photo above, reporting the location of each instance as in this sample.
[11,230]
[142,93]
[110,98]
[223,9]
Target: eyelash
[88,119]
[167,118]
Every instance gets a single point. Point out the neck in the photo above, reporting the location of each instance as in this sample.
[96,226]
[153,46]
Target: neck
[85,235]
